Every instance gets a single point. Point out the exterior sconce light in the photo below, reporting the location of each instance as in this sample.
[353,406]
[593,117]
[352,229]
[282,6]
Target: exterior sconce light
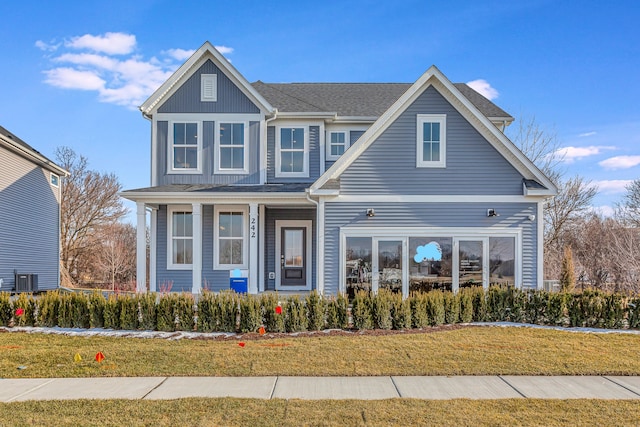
[492,212]
[371,212]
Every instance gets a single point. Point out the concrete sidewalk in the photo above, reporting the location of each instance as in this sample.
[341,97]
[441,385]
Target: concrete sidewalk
[362,388]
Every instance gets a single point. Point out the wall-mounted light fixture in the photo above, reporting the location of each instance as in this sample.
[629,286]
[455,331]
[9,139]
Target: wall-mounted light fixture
[371,212]
[492,212]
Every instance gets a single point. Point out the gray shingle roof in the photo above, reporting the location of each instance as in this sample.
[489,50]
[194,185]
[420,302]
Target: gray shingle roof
[47,163]
[354,99]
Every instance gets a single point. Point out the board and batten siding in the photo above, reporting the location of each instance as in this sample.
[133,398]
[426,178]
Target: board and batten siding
[29,222]
[208,158]
[230,99]
[473,166]
[314,156]
[273,214]
[437,216]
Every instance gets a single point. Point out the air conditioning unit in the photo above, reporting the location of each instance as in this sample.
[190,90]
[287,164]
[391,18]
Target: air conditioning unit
[26,283]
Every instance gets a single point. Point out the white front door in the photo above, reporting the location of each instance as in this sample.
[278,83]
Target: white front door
[389,264]
[470,262]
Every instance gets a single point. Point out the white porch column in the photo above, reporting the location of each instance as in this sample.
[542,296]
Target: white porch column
[253,248]
[141,248]
[152,250]
[320,246]
[197,248]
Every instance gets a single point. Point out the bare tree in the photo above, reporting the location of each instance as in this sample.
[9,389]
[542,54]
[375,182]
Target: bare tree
[116,256]
[629,209]
[89,201]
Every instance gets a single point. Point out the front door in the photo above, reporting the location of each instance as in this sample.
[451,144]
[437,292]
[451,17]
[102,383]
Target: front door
[388,264]
[472,262]
[293,255]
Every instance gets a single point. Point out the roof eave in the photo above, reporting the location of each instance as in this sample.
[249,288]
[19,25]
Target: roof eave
[34,156]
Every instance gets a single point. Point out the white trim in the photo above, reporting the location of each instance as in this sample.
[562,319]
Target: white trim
[429,198]
[254,231]
[329,144]
[307,224]
[322,141]
[141,247]
[154,151]
[217,169]
[56,177]
[208,87]
[170,145]
[375,267]
[207,117]
[196,267]
[320,239]
[305,151]
[540,246]
[162,198]
[216,236]
[153,250]
[455,260]
[261,251]
[347,129]
[421,119]
[171,209]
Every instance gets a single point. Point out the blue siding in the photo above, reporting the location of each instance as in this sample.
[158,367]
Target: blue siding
[353,137]
[436,215]
[187,98]
[178,280]
[314,157]
[29,222]
[473,166]
[208,158]
[271,215]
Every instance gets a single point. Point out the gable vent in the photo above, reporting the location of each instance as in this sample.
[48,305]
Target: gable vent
[209,87]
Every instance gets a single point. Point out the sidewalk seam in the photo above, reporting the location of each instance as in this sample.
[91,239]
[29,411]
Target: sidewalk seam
[396,386]
[510,385]
[620,385]
[31,390]
[273,389]
[153,389]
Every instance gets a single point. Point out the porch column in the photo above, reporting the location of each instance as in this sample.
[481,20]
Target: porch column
[197,248]
[253,248]
[141,248]
[152,250]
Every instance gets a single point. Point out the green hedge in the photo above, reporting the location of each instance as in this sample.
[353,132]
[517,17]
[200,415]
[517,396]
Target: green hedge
[230,312]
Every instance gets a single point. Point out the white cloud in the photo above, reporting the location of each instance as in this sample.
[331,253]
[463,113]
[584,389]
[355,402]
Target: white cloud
[586,134]
[47,47]
[571,154]
[484,88]
[111,69]
[109,43]
[620,162]
[613,186]
[224,49]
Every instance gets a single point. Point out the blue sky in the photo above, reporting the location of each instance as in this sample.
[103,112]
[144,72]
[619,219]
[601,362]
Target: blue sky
[74,72]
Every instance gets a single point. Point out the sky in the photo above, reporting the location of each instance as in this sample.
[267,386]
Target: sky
[73,73]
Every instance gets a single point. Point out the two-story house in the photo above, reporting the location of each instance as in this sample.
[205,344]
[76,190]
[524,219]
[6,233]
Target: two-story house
[334,186]
[30,195]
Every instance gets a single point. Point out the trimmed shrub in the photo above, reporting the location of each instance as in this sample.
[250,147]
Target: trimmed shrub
[295,319]
[5,309]
[497,304]
[128,313]
[184,312]
[435,308]
[250,313]
[111,313]
[166,318]
[451,307]
[361,310]
[593,308]
[147,315]
[633,312]
[227,311]
[97,304]
[400,312]
[479,303]
[381,304]
[274,321]
[536,307]
[465,296]
[79,310]
[337,312]
[316,311]
[48,309]
[556,309]
[613,311]
[28,306]
[418,304]
[65,311]
[516,302]
[206,309]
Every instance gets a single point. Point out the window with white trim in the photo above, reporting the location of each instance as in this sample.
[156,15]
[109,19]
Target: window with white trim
[292,153]
[55,180]
[230,246]
[180,232]
[208,87]
[232,147]
[431,141]
[185,146]
[337,144]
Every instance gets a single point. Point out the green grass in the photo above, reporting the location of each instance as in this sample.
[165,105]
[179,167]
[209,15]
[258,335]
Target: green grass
[465,351]
[246,412]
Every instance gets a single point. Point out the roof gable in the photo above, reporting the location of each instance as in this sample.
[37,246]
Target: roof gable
[433,77]
[17,145]
[186,70]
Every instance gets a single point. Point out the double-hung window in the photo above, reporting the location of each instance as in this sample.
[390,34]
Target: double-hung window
[230,238]
[231,148]
[337,144]
[431,141]
[180,238]
[292,152]
[185,146]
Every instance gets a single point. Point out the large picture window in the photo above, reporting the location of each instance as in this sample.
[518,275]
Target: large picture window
[292,152]
[502,260]
[232,150]
[185,145]
[432,141]
[230,245]
[180,238]
[430,263]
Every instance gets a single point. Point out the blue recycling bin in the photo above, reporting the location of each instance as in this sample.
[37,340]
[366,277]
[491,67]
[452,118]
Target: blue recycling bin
[238,284]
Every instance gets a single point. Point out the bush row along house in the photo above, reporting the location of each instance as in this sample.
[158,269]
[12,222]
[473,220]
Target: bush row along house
[333,187]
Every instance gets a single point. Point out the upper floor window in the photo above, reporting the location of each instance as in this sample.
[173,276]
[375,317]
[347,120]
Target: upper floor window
[431,141]
[208,87]
[292,152]
[185,146]
[232,148]
[230,234]
[180,234]
[337,144]
[55,180]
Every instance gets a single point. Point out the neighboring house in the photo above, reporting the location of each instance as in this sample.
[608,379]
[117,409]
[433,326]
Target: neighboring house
[334,186]
[30,192]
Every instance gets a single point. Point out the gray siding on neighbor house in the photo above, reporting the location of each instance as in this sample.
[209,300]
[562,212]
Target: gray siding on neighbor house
[29,222]
[473,166]
[209,156]
[230,98]
[271,215]
[353,137]
[314,156]
[435,215]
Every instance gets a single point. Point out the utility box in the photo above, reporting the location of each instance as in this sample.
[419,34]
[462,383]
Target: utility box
[26,283]
[239,280]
